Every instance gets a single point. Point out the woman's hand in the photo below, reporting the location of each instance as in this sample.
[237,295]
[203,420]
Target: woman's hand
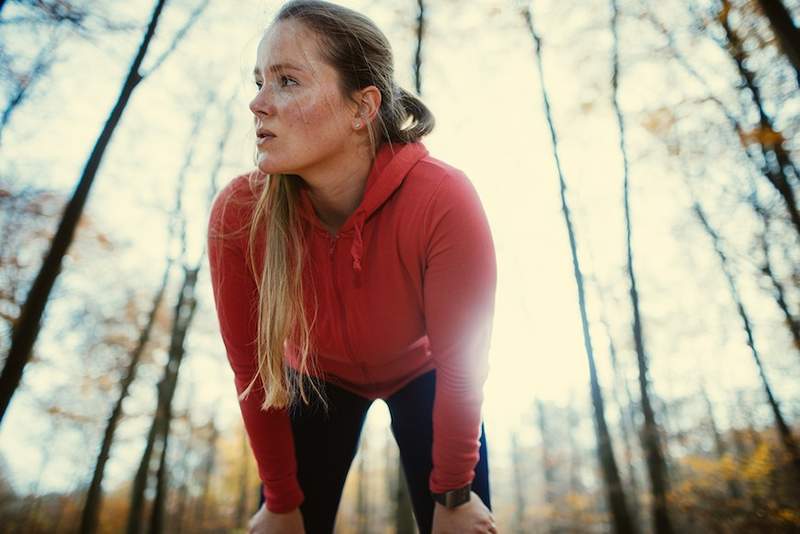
[266,522]
[469,518]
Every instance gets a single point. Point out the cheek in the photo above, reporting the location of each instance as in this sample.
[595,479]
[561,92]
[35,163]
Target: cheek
[312,114]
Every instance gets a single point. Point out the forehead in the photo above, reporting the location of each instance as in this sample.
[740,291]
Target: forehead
[292,45]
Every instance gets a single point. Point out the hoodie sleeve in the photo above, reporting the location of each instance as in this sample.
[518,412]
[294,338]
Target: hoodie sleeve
[459,291]
[236,298]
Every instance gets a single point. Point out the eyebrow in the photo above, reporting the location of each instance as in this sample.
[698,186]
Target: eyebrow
[277,67]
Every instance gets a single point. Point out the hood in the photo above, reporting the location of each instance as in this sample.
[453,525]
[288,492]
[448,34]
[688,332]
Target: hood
[392,163]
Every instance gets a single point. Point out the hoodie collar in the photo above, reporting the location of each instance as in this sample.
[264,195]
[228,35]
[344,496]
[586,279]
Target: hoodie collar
[392,163]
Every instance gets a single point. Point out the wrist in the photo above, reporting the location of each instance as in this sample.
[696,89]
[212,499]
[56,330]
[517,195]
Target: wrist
[453,498]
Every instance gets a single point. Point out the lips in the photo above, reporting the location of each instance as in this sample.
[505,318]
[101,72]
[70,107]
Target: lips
[263,135]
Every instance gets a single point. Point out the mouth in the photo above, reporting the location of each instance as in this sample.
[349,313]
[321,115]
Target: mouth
[263,135]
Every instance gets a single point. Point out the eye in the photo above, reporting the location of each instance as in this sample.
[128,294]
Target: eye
[258,84]
[285,80]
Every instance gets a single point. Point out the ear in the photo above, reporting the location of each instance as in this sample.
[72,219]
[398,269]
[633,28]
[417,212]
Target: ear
[369,104]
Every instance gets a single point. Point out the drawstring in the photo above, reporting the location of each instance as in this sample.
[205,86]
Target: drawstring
[357,248]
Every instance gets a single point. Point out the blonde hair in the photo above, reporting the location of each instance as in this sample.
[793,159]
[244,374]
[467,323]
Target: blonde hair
[362,56]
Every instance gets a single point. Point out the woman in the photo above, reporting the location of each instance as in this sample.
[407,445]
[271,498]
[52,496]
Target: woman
[352,266]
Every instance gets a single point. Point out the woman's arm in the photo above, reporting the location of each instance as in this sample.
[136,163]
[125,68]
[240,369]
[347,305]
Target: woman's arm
[459,289]
[236,298]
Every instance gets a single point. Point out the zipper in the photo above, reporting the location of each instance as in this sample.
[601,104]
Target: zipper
[333,240]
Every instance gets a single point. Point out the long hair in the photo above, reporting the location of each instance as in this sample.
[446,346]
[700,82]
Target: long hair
[362,56]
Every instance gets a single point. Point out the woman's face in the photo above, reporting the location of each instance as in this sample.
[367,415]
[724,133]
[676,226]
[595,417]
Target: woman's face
[298,107]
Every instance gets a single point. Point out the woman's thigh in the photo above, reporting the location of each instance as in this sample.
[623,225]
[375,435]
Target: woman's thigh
[411,409]
[325,444]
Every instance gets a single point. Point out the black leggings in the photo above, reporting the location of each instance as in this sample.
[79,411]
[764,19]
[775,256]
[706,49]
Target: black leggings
[325,447]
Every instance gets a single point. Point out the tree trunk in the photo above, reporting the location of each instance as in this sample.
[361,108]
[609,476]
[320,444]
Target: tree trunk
[182,318]
[784,29]
[627,419]
[615,495]
[792,322]
[157,512]
[91,507]
[27,327]
[782,427]
[418,50]
[656,464]
[719,444]
[183,493]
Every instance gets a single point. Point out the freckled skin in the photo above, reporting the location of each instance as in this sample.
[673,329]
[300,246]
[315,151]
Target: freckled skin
[305,109]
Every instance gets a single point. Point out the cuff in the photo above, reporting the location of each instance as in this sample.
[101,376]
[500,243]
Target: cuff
[283,495]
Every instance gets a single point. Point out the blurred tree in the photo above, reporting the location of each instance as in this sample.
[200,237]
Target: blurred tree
[627,419]
[649,433]
[778,166]
[418,51]
[28,324]
[159,429]
[548,463]
[779,290]
[517,479]
[784,431]
[207,470]
[615,494]
[91,507]
[719,443]
[784,29]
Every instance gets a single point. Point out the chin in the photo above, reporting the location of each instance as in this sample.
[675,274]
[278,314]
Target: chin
[268,165]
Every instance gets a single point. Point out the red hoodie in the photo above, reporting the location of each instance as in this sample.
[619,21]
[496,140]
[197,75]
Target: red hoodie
[406,285]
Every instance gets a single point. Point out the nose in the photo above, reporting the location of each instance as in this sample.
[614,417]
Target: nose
[262,102]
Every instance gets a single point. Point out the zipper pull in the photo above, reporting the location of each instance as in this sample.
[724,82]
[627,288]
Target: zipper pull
[333,239]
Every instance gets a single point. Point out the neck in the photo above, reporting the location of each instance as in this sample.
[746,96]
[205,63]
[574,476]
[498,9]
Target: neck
[337,189]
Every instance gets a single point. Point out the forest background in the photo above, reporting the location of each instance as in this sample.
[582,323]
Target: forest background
[638,163]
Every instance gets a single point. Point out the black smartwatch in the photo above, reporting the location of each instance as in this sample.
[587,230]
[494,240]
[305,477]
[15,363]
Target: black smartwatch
[453,498]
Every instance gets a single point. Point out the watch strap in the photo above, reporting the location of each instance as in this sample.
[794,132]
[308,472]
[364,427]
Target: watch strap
[453,498]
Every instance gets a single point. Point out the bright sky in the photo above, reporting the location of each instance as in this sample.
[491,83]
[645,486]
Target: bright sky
[480,80]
